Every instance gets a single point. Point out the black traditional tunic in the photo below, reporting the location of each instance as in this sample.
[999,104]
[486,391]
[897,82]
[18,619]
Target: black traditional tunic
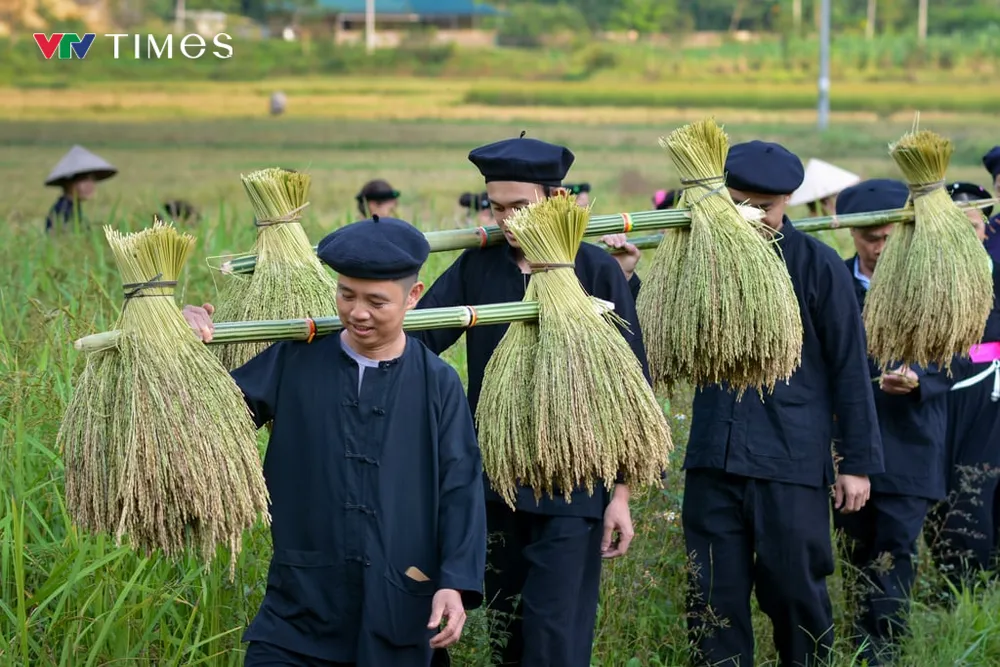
[912,428]
[62,213]
[756,498]
[364,485]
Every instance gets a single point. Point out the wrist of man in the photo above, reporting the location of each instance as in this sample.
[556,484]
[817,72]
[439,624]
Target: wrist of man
[621,493]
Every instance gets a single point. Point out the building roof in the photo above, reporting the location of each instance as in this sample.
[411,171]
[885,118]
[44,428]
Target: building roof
[419,7]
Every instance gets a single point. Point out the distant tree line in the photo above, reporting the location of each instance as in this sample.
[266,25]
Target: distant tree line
[891,16]
[679,16]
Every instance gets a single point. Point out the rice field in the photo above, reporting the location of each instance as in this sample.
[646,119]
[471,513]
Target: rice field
[71,599]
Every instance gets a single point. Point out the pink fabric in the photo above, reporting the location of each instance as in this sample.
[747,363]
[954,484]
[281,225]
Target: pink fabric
[659,197]
[985,352]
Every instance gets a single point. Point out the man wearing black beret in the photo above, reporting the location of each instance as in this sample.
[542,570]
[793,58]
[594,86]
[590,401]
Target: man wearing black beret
[966,527]
[548,552]
[912,415]
[375,477]
[756,509]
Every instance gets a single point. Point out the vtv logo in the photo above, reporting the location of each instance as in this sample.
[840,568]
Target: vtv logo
[67,43]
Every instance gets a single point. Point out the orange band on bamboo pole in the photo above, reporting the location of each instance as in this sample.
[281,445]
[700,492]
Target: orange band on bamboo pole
[312,330]
[473,317]
[484,236]
[626,222]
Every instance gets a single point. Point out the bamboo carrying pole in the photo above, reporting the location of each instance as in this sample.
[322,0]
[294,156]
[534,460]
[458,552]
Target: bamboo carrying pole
[268,331]
[624,223]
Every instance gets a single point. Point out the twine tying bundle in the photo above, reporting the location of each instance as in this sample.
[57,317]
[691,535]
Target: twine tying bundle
[289,281]
[295,215]
[158,442]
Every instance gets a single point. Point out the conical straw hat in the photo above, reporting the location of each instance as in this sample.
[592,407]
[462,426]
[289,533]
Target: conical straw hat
[78,162]
[822,180]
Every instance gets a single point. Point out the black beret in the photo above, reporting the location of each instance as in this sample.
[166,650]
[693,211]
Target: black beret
[523,160]
[992,161]
[876,194]
[962,191]
[375,249]
[763,167]
[377,190]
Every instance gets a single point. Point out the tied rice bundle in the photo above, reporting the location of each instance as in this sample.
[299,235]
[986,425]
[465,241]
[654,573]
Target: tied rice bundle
[289,280]
[157,440]
[718,303]
[565,403]
[932,289]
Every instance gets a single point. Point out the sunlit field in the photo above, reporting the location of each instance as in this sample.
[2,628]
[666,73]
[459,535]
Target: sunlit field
[71,599]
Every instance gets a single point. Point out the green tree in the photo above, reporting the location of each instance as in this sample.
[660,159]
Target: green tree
[646,16]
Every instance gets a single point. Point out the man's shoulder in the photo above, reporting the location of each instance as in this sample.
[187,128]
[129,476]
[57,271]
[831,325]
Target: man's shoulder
[595,260]
[436,368]
[821,257]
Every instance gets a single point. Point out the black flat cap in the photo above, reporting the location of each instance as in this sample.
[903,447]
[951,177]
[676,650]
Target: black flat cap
[375,249]
[876,194]
[523,160]
[964,191]
[763,167]
[992,161]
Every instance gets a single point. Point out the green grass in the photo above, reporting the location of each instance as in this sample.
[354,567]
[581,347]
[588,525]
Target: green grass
[74,600]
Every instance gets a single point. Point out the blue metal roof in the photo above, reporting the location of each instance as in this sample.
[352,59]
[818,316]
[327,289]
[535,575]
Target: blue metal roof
[421,7]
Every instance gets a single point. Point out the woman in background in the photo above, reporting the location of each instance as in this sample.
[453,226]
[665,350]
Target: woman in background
[377,197]
[77,174]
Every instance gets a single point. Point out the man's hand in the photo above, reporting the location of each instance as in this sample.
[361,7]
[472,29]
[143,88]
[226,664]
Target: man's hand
[200,320]
[899,382]
[628,259]
[851,492]
[617,519]
[447,604]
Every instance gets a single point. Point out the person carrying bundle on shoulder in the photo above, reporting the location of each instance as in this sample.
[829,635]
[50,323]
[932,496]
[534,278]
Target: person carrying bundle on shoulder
[549,552]
[964,530]
[373,470]
[911,403]
[759,469]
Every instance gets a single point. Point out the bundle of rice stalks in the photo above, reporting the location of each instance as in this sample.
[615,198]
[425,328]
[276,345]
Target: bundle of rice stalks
[289,280]
[565,403]
[932,289]
[158,442]
[717,304]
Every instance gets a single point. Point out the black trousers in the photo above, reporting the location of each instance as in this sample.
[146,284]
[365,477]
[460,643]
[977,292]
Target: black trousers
[261,654]
[965,528]
[881,543]
[743,534]
[554,564]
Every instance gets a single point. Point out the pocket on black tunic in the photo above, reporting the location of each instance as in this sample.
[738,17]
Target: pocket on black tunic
[306,589]
[402,609]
